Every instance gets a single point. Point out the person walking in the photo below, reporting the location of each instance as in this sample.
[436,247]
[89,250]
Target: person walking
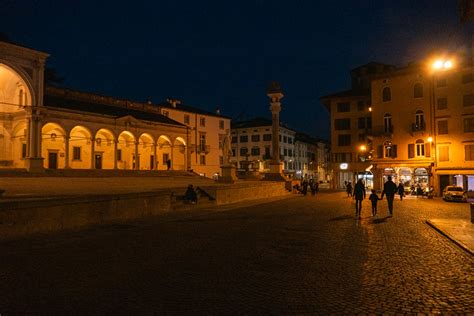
[359,194]
[401,191]
[374,198]
[389,189]
[349,189]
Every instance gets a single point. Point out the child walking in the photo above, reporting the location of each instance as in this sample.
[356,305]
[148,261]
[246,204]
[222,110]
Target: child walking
[374,198]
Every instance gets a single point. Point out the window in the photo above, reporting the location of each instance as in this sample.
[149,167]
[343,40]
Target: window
[467,78]
[389,150]
[166,113]
[290,153]
[244,138]
[469,125]
[279,138]
[267,137]
[267,152]
[387,123]
[468,100]
[369,122]
[420,148]
[166,157]
[386,94]
[23,150]
[243,151]
[290,140]
[418,90]
[233,152]
[443,153]
[255,151]
[361,122]
[234,139]
[202,141]
[255,138]
[342,124]
[202,121]
[344,140]
[443,127]
[362,137]
[221,124]
[119,155]
[285,152]
[419,120]
[285,139]
[469,152]
[360,105]
[442,103]
[441,82]
[76,153]
[344,107]
[186,119]
[202,160]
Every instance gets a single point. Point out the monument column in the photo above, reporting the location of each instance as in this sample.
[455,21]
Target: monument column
[275,94]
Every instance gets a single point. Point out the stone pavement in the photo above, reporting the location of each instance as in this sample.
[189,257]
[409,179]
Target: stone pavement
[459,231]
[300,255]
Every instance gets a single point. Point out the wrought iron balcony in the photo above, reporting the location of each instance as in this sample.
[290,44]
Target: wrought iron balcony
[205,149]
[418,127]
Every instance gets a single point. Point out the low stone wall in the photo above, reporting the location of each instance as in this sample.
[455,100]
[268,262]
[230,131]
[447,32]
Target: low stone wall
[24,217]
[239,193]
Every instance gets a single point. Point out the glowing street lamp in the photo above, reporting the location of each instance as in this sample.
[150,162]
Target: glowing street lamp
[442,64]
[363,148]
[430,139]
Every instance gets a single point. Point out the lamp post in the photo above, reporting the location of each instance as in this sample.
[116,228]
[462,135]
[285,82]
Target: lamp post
[437,66]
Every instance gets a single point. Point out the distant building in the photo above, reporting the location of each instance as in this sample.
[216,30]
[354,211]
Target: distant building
[351,124]
[252,148]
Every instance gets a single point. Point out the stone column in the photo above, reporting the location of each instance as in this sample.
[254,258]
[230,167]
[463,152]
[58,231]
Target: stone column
[66,153]
[155,159]
[115,153]
[34,161]
[92,153]
[172,156]
[275,94]
[137,158]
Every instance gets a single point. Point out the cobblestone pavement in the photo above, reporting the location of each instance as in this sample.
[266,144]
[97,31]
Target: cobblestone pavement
[301,255]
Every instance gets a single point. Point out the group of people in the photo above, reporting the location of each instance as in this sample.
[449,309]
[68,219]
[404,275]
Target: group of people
[389,191]
[312,184]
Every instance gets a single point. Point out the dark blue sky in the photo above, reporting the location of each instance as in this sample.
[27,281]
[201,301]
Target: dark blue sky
[224,53]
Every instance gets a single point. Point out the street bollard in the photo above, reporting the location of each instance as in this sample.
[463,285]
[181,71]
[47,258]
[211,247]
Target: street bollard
[472,213]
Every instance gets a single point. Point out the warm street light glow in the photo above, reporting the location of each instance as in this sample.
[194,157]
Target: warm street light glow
[430,139]
[370,109]
[442,64]
[363,148]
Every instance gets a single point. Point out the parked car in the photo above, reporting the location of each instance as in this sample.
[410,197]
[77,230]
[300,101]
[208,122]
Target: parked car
[454,193]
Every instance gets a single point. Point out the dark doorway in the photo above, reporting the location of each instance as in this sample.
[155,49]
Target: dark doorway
[53,160]
[443,182]
[98,161]
[152,162]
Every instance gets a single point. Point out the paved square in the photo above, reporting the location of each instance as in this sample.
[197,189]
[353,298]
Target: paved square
[302,255]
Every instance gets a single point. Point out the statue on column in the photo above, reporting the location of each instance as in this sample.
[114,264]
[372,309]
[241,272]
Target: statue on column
[226,150]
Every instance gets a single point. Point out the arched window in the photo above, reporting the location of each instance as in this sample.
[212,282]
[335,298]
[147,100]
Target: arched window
[420,148]
[418,90]
[386,94]
[387,123]
[419,120]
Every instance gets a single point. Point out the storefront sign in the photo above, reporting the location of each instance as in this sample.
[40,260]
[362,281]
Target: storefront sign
[343,166]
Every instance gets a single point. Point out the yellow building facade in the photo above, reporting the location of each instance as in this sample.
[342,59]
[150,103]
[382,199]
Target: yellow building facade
[54,128]
[423,126]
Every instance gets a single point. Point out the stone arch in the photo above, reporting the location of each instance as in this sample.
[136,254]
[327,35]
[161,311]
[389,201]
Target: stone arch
[16,91]
[104,149]
[19,144]
[53,145]
[146,152]
[179,154]
[126,150]
[164,151]
[80,147]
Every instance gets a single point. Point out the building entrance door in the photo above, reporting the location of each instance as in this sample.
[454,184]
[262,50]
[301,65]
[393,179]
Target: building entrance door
[98,161]
[53,160]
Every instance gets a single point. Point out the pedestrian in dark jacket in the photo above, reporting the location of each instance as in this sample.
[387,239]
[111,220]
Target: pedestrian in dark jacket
[374,198]
[401,191]
[359,194]
[349,189]
[190,195]
[389,189]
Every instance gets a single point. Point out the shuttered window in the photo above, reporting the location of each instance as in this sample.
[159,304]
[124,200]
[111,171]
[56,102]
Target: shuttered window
[411,150]
[443,153]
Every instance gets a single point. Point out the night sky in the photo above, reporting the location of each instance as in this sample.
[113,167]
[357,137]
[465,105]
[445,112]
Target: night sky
[224,53]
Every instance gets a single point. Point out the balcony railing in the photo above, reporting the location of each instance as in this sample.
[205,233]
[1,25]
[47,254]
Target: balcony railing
[382,131]
[420,127]
[203,149]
